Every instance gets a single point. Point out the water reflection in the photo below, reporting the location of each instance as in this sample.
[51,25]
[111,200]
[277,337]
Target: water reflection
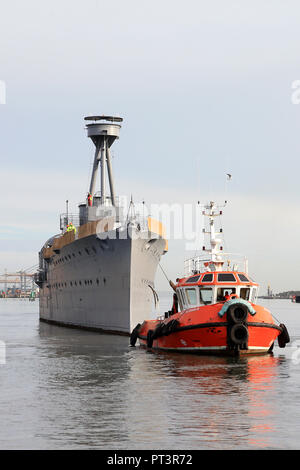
[115,395]
[82,381]
[207,401]
[66,388]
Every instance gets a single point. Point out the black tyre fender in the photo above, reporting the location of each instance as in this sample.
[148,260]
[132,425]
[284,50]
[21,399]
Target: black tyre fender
[135,334]
[158,331]
[237,313]
[174,325]
[284,336]
[150,339]
[168,328]
[239,333]
[164,329]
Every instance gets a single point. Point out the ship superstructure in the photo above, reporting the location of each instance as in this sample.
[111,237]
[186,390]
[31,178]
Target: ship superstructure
[98,273]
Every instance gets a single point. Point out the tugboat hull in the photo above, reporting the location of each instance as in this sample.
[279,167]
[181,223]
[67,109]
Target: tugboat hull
[185,332]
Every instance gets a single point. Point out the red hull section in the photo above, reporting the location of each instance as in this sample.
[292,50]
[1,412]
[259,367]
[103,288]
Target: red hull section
[202,330]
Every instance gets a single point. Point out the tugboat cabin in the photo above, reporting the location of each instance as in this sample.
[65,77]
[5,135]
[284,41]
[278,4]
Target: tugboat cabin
[214,287]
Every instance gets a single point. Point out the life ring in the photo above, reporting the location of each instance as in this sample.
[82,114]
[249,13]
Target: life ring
[150,339]
[134,335]
[284,336]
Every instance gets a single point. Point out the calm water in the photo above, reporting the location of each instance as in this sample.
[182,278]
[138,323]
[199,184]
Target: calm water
[70,389]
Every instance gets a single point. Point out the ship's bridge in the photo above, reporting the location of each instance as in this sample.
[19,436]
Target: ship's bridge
[214,287]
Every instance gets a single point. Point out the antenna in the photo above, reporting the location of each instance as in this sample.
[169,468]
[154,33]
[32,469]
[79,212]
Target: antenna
[103,134]
[67,211]
[211,211]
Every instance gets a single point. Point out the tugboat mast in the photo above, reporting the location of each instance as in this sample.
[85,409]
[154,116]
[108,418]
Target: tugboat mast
[215,251]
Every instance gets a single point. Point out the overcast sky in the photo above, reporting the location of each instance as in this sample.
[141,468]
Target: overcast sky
[204,88]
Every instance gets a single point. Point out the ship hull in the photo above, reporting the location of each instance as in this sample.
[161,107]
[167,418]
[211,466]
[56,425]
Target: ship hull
[105,285]
[197,342]
[203,331]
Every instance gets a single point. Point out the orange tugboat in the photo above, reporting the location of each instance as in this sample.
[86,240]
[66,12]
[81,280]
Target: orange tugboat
[215,308]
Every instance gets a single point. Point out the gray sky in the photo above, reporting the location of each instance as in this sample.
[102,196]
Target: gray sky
[204,88]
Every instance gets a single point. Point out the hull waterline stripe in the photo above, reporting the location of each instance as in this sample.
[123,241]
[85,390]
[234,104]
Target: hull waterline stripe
[84,327]
[212,348]
[219,324]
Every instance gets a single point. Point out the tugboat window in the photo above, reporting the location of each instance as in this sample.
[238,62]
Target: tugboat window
[226,277]
[254,292]
[207,278]
[183,296]
[206,294]
[193,279]
[222,291]
[245,293]
[243,278]
[180,299]
[191,296]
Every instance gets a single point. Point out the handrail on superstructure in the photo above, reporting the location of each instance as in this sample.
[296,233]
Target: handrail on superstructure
[196,264]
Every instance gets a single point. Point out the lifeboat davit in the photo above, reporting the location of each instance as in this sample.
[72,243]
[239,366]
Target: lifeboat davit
[213,312]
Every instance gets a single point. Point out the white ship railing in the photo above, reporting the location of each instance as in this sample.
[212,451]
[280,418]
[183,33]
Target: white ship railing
[202,263]
[122,220]
[66,219]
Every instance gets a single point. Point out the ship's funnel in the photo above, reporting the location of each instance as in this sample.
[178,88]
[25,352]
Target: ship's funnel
[103,131]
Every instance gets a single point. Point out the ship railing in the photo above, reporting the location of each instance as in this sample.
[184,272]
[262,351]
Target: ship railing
[39,277]
[122,220]
[124,216]
[97,200]
[67,218]
[231,262]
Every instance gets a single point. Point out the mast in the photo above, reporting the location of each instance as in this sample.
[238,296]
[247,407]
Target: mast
[216,260]
[214,257]
[103,134]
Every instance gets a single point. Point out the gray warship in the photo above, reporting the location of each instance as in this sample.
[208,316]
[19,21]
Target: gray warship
[100,274]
